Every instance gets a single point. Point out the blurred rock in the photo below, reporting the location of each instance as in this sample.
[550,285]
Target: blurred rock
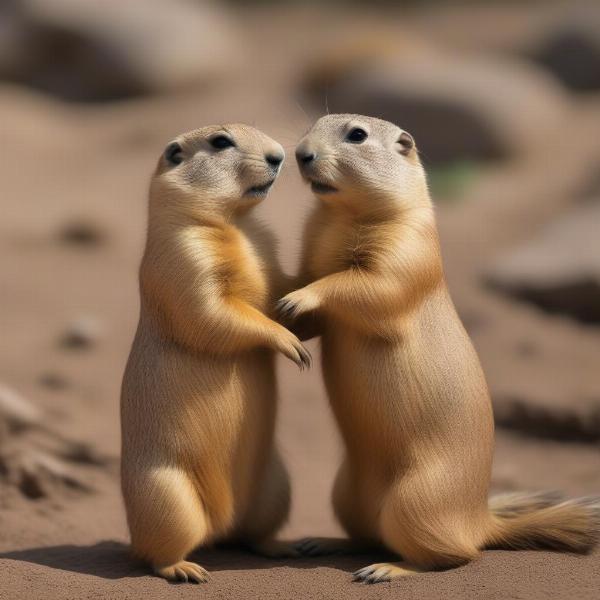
[37,474]
[542,372]
[81,233]
[86,455]
[35,460]
[571,49]
[591,186]
[16,413]
[523,463]
[539,417]
[558,270]
[456,107]
[53,381]
[338,60]
[93,51]
[82,333]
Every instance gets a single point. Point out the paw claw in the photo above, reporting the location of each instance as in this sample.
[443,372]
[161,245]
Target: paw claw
[184,571]
[381,572]
[285,308]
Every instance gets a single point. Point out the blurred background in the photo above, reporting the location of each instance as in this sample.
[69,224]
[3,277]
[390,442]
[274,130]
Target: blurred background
[503,99]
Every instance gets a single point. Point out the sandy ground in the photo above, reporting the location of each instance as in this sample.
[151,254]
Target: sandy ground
[72,164]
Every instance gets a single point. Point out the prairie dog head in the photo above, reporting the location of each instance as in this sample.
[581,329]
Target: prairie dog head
[362,162]
[217,169]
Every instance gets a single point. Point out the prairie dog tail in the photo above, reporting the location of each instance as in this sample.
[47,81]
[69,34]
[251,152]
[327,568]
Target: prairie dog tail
[530,521]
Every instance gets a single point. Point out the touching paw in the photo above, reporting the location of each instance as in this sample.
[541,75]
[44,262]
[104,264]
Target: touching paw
[289,345]
[297,303]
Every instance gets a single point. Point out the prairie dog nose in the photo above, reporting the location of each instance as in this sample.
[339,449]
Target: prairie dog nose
[305,156]
[274,159]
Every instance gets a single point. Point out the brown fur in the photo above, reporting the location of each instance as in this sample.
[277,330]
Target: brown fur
[404,381]
[198,398]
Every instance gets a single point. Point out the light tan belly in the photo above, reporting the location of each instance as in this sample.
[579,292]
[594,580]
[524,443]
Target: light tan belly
[209,416]
[399,402]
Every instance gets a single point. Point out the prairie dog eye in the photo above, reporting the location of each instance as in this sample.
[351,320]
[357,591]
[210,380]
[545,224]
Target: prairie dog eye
[174,154]
[221,142]
[406,142]
[357,135]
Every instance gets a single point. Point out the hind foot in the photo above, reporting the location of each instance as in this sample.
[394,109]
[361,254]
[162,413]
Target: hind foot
[383,572]
[322,546]
[183,571]
[275,549]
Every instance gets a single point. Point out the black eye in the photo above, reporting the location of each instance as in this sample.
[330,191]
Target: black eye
[406,141]
[173,153]
[357,135]
[221,142]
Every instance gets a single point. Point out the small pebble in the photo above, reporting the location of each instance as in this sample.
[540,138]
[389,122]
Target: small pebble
[526,348]
[53,381]
[81,334]
[81,233]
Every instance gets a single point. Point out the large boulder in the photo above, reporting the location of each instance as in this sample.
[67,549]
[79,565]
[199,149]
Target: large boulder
[542,371]
[522,463]
[457,107]
[570,48]
[90,51]
[559,269]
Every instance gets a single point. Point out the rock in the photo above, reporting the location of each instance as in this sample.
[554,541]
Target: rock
[571,49]
[458,108]
[538,417]
[16,413]
[53,381]
[82,333]
[543,369]
[90,51]
[37,474]
[34,460]
[542,372]
[559,269]
[525,464]
[590,187]
[81,233]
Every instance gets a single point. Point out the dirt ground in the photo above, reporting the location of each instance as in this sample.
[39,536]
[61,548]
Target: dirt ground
[65,164]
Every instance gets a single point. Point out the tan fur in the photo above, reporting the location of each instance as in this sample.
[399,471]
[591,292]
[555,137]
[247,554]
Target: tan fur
[198,396]
[403,379]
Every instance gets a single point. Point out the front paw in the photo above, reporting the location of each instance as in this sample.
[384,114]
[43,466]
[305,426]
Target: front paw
[297,303]
[289,345]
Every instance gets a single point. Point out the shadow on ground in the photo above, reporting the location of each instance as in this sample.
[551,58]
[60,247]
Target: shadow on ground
[112,560]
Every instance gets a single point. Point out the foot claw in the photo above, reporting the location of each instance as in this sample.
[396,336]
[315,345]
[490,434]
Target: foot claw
[184,571]
[380,572]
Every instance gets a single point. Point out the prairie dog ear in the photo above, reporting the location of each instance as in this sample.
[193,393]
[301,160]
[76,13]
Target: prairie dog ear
[406,143]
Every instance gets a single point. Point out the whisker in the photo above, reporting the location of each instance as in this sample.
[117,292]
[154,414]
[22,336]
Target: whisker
[297,103]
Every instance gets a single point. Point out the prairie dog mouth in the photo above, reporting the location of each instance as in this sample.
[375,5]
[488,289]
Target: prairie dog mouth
[319,187]
[259,190]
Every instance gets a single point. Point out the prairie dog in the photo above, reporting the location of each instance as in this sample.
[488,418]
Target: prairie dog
[403,379]
[198,397]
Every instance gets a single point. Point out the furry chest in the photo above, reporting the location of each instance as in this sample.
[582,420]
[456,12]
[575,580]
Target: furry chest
[332,253]
[243,273]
